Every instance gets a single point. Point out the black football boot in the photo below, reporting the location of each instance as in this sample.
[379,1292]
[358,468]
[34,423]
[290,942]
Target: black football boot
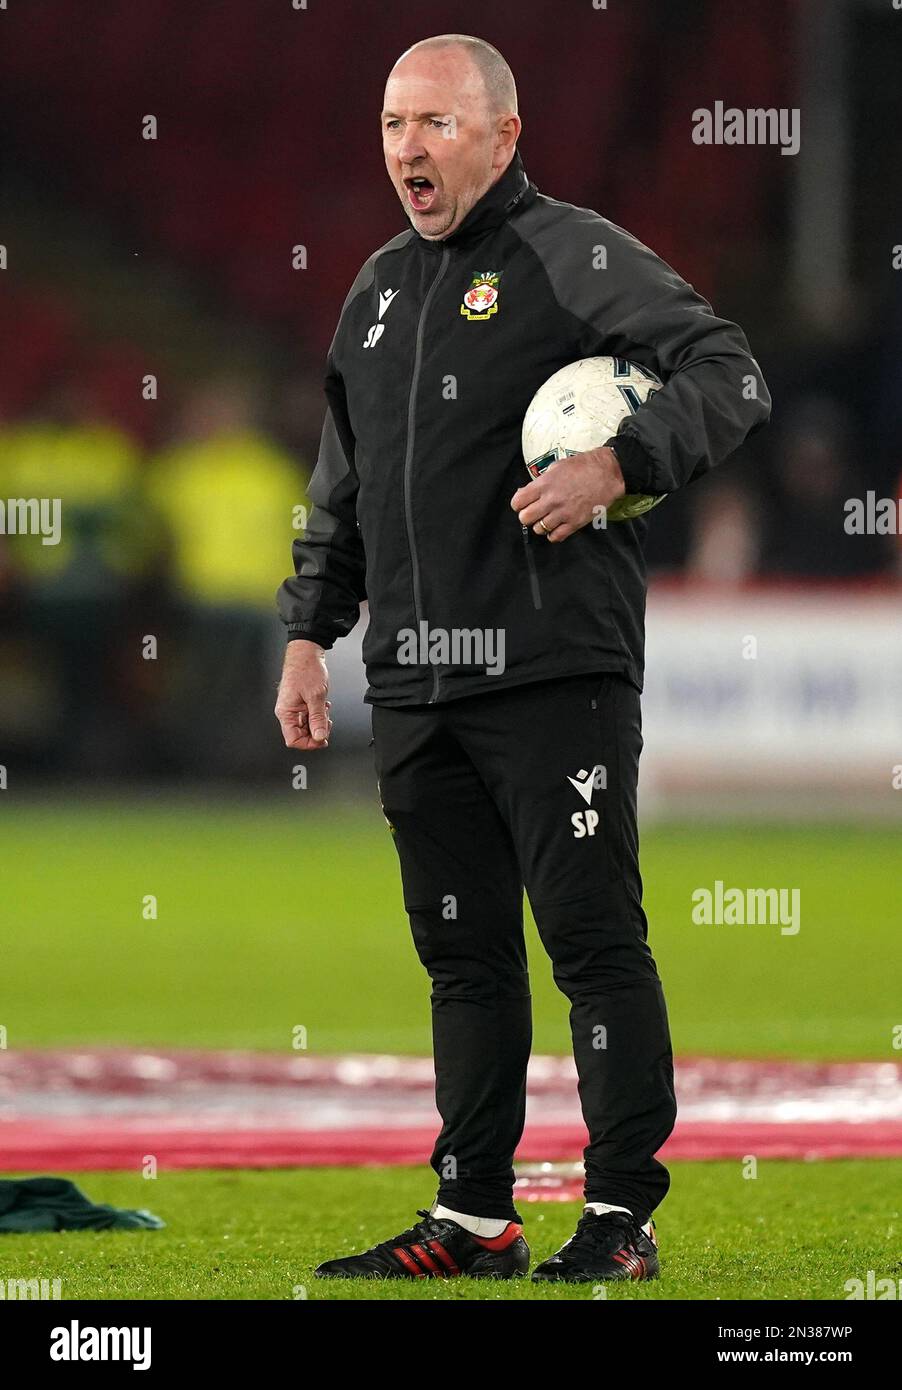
[436,1248]
[612,1246]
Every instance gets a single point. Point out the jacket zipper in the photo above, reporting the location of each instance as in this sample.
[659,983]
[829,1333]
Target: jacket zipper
[531,565]
[408,458]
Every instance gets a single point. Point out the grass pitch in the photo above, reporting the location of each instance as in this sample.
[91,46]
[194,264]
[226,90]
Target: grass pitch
[270,916]
[797,1231]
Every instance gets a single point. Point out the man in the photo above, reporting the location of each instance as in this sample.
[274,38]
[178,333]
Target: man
[515,763]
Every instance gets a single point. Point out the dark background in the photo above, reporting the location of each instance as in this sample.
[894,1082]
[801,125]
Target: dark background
[173,257]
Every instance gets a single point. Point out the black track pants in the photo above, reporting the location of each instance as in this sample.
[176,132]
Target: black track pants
[534,786]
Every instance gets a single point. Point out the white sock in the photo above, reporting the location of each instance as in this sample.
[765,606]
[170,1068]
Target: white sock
[477,1225]
[600,1208]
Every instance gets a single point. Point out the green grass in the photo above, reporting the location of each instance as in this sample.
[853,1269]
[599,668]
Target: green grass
[271,916]
[797,1231]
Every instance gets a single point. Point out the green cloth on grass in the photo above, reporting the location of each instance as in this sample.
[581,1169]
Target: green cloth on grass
[55,1204]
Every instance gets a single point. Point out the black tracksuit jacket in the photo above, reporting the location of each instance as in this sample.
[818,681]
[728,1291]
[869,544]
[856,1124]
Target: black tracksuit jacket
[420,451]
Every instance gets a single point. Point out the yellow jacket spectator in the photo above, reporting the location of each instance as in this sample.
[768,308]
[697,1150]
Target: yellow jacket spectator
[93,471]
[223,501]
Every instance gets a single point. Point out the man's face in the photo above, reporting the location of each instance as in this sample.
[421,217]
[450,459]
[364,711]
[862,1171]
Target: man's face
[439,140]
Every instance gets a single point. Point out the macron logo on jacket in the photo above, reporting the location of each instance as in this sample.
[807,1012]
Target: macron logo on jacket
[385,298]
[377,329]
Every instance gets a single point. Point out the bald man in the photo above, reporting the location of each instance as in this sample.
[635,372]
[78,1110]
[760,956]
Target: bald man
[505,645]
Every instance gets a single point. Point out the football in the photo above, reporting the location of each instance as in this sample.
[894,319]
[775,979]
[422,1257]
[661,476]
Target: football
[579,408]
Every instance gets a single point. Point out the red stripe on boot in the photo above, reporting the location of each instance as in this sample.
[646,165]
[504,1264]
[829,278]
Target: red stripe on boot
[409,1262]
[426,1259]
[443,1255]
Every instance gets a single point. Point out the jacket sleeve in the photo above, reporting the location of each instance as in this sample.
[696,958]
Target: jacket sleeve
[714,394]
[633,305]
[321,601]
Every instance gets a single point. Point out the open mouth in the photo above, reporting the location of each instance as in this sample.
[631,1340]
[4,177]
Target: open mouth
[420,193]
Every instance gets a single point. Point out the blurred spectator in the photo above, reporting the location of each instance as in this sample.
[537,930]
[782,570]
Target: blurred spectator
[817,471]
[227,498]
[65,451]
[65,600]
[897,547]
[226,494]
[725,534]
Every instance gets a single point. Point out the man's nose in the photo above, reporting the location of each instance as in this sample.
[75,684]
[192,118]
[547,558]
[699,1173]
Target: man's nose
[411,146]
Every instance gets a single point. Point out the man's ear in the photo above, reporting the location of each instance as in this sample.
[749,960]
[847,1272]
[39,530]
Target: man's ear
[508,133]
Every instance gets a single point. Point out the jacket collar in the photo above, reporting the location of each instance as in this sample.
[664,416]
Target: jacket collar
[511,192]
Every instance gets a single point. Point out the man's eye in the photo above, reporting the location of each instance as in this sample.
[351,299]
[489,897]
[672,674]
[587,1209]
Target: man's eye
[392,125]
[440,124]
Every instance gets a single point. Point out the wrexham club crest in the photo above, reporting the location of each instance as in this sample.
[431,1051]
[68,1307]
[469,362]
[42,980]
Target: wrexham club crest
[481,299]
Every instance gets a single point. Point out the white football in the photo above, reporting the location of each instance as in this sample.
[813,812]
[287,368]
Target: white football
[579,408]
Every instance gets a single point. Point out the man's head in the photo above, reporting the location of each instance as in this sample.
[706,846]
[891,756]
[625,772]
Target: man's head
[449,118]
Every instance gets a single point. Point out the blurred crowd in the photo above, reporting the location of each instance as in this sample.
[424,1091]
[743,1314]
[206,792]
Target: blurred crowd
[146,641]
[145,638]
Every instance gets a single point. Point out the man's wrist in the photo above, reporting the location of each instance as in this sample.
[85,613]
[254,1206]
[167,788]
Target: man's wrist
[635,464]
[618,472]
[314,638]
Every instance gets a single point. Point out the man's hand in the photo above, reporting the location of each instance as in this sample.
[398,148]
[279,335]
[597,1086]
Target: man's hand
[301,706]
[568,494]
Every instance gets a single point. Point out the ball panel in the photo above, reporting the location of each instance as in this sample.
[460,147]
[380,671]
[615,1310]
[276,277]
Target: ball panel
[580,407]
